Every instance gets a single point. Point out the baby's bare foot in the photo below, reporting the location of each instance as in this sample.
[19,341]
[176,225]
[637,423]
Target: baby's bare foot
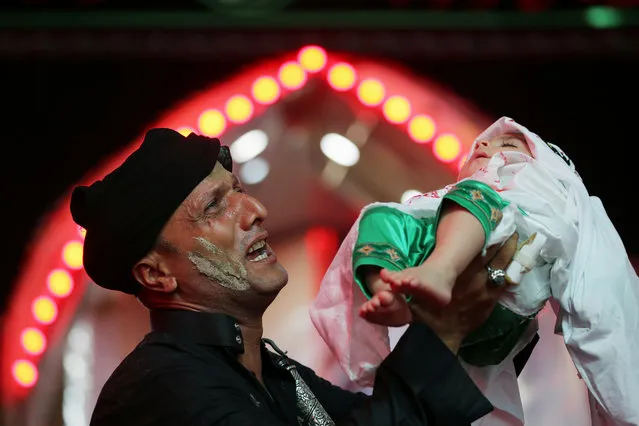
[386,308]
[424,282]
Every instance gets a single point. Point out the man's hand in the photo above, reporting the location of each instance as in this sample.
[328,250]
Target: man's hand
[473,298]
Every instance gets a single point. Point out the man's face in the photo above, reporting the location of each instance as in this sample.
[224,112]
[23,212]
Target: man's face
[219,242]
[487,148]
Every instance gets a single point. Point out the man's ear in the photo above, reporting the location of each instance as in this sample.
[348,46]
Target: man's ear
[153,275]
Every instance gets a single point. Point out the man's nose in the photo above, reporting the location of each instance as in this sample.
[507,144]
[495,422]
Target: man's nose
[483,143]
[252,212]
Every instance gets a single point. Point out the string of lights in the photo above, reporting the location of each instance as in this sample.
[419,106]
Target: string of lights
[39,301]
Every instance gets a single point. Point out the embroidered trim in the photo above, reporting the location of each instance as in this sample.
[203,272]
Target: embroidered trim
[383,255]
[480,200]
[383,251]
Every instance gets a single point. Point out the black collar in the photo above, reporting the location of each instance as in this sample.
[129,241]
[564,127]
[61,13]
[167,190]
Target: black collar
[199,327]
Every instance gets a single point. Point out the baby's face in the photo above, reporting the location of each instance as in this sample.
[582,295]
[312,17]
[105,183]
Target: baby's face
[487,148]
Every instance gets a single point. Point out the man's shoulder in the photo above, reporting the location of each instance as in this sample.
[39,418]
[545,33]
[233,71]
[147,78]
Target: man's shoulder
[159,367]
[159,359]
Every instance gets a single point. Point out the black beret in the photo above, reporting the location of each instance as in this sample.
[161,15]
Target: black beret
[124,213]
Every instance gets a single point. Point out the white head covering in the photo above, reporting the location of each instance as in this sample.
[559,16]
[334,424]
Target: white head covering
[550,155]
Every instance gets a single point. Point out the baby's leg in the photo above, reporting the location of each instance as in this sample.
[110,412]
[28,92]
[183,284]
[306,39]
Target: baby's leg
[385,307]
[460,238]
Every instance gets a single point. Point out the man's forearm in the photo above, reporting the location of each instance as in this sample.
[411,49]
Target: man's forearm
[430,368]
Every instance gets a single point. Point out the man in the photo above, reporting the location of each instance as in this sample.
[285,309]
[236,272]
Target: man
[173,226]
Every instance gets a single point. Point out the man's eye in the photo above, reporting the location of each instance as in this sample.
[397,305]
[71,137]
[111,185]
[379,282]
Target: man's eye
[211,205]
[238,189]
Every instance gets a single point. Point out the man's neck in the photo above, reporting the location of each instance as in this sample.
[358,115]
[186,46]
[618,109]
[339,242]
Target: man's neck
[251,333]
[252,356]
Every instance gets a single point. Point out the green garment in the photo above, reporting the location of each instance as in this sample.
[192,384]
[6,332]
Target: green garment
[395,240]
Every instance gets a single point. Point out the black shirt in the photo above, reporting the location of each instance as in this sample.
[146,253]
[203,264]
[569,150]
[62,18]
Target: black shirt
[186,372]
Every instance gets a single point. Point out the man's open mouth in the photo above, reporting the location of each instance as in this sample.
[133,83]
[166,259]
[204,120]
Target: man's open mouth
[258,251]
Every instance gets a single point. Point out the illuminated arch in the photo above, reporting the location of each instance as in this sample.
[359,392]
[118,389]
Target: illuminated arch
[52,281]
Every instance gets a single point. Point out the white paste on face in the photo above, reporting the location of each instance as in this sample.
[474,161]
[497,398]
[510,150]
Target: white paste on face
[218,266]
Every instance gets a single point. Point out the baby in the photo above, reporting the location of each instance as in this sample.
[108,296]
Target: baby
[571,253]
[463,225]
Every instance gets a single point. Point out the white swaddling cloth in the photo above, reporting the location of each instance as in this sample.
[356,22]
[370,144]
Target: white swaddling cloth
[596,288]
[591,277]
